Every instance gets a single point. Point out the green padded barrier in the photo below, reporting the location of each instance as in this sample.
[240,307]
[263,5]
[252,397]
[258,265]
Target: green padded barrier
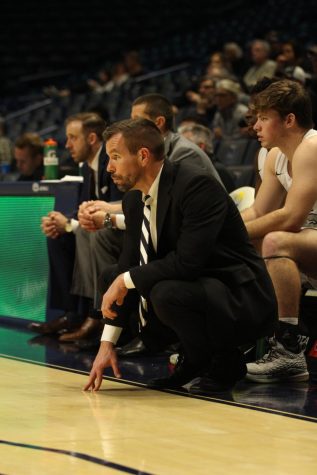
[23,256]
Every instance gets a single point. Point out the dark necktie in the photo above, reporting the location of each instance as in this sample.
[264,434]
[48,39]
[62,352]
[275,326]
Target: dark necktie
[144,251]
[92,185]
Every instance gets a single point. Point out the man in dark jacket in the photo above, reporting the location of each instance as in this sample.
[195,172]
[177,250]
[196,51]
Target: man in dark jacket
[186,253]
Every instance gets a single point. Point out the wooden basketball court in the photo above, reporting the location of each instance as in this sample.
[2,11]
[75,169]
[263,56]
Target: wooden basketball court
[50,426]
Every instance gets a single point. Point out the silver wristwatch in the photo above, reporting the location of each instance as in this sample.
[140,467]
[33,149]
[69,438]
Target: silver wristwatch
[108,221]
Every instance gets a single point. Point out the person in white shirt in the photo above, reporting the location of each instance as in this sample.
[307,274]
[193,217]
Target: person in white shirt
[284,219]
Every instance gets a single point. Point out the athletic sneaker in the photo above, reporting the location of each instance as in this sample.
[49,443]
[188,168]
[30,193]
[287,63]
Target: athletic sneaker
[279,364]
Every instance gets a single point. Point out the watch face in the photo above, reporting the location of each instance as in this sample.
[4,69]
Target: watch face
[107,222]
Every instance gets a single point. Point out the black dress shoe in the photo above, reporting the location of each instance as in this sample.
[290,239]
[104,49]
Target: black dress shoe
[135,347]
[182,374]
[66,322]
[224,371]
[207,386]
[228,367]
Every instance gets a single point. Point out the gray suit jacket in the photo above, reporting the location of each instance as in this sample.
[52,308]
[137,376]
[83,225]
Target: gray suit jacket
[179,148]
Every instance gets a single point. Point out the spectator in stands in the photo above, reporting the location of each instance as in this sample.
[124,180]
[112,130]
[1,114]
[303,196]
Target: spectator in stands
[312,81]
[133,64]
[100,85]
[202,280]
[273,37]
[71,274]
[28,155]
[262,65]
[202,108]
[235,60]
[283,216]
[225,125]
[218,60]
[217,73]
[312,56]
[110,80]
[106,81]
[202,136]
[218,68]
[288,62]
[119,76]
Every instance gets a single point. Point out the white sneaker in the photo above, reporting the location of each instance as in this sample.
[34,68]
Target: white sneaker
[278,364]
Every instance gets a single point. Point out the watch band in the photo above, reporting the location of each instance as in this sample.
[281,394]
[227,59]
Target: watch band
[108,221]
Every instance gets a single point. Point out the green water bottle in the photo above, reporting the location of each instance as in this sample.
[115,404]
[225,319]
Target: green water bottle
[50,160]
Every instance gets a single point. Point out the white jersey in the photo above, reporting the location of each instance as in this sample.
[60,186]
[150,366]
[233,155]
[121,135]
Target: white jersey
[285,179]
[261,160]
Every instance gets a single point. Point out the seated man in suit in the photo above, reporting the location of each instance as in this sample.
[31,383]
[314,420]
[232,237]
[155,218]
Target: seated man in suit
[187,265]
[69,245]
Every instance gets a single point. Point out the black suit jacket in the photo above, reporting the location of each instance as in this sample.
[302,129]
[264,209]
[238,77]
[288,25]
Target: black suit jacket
[200,232]
[200,235]
[107,189]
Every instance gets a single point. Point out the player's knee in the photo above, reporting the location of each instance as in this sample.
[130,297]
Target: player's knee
[274,244]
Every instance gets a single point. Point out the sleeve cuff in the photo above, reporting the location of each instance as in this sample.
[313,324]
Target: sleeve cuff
[111,334]
[120,221]
[74,224]
[128,282]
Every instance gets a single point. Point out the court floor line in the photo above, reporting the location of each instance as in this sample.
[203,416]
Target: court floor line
[78,455]
[172,391]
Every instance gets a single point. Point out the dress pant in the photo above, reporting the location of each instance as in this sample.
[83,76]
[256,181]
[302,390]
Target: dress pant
[61,254]
[94,252]
[211,318]
[208,317]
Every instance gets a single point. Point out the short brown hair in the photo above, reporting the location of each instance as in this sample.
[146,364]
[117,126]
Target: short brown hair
[286,97]
[32,142]
[156,105]
[138,133]
[91,122]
